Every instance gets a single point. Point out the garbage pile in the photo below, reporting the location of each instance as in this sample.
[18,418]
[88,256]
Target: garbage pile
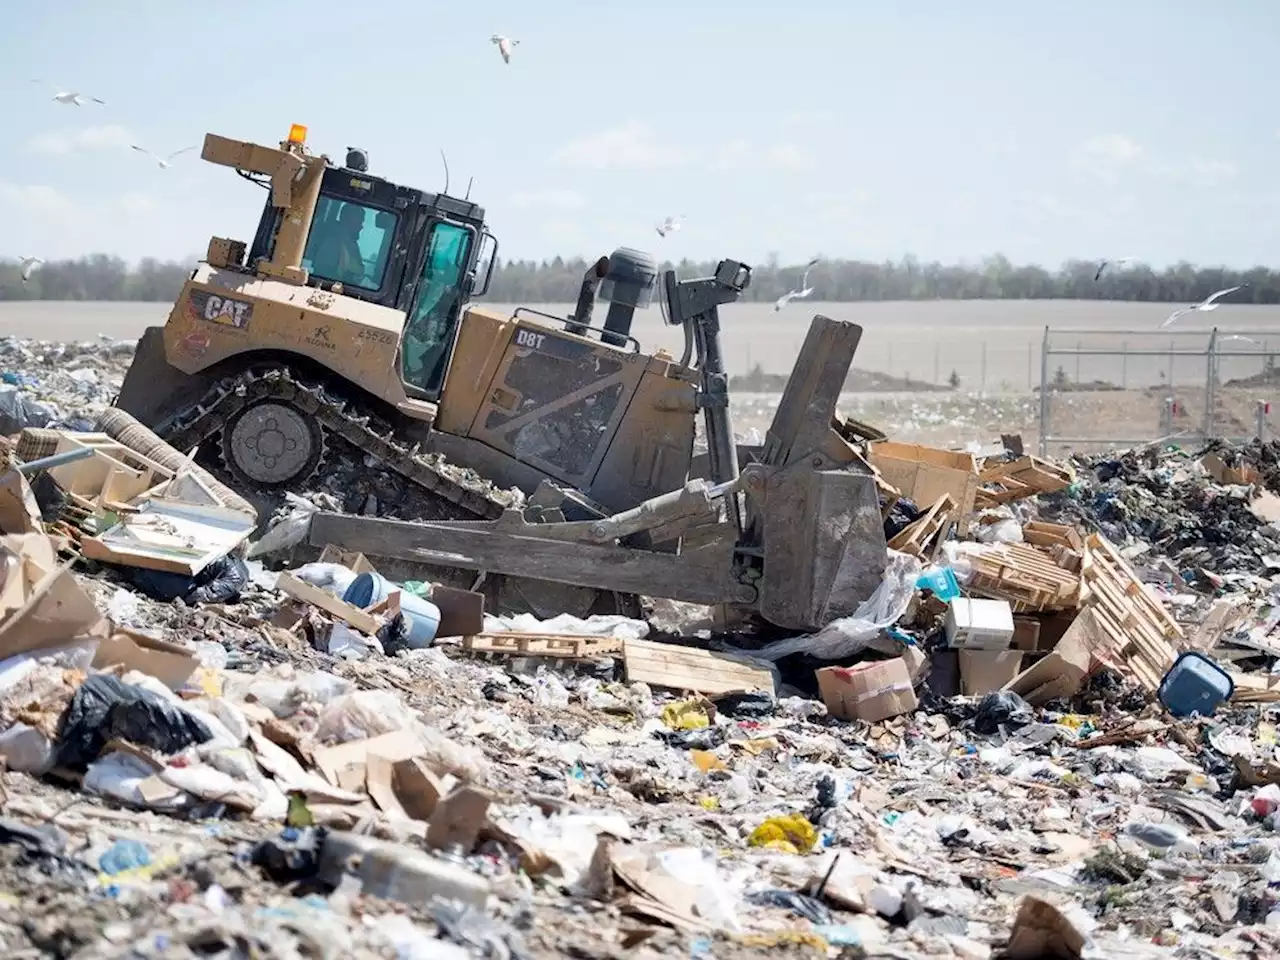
[1051,732]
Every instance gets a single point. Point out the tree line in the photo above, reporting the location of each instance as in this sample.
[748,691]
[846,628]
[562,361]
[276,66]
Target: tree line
[104,277]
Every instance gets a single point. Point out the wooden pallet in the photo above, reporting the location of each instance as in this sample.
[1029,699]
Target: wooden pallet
[1027,476]
[1145,638]
[562,646]
[930,527]
[1024,575]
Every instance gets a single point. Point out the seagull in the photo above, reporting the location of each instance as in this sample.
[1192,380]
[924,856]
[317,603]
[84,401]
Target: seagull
[670,225]
[1204,305]
[1115,264]
[804,291]
[505,44]
[70,97]
[29,265]
[1237,336]
[165,162]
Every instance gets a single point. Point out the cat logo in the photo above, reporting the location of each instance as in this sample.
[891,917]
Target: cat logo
[224,311]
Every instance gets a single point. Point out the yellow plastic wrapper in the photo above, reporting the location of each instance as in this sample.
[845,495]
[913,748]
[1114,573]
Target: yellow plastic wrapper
[789,834]
[685,715]
[706,761]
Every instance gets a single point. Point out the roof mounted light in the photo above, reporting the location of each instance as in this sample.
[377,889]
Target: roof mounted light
[297,133]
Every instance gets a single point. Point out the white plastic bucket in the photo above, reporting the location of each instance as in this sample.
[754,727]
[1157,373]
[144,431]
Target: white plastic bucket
[423,616]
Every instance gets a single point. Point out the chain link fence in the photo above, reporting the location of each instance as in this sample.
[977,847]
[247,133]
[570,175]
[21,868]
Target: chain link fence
[1106,388]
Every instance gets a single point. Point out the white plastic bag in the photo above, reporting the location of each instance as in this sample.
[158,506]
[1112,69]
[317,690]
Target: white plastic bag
[289,531]
[363,714]
[333,577]
[852,634]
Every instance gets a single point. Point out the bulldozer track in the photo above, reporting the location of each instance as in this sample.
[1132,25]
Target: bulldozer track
[336,418]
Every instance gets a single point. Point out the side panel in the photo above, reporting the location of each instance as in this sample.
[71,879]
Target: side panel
[652,450]
[222,314]
[556,401]
[482,341]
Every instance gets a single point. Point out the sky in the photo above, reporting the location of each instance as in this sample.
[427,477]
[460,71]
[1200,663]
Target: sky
[847,128]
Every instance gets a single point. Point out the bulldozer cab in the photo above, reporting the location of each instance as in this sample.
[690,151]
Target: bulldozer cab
[423,254]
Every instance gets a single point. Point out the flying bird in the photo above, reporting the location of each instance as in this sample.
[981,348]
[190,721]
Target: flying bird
[1205,305]
[165,161]
[29,265]
[70,97]
[1114,264]
[505,45]
[804,291]
[670,225]
[1237,336]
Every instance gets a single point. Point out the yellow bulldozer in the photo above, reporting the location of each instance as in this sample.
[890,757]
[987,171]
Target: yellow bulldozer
[346,328]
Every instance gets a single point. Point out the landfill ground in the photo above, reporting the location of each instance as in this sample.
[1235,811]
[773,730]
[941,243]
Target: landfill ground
[271,782]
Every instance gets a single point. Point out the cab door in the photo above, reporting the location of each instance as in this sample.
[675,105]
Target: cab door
[431,323]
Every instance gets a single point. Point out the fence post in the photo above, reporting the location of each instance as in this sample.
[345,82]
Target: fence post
[1210,382]
[1044,394]
[1261,409]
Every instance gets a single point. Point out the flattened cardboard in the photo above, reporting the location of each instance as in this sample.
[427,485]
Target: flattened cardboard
[1062,673]
[19,512]
[56,611]
[461,611]
[986,671]
[868,691]
[169,663]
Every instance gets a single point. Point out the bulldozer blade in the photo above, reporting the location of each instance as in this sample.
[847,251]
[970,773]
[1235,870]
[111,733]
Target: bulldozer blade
[821,533]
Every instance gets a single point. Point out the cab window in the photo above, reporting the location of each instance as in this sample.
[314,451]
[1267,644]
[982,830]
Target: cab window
[349,243]
[431,323]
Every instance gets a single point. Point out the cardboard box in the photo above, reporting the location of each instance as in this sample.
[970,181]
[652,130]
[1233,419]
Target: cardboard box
[1062,673]
[923,474]
[1026,634]
[979,624]
[868,691]
[986,671]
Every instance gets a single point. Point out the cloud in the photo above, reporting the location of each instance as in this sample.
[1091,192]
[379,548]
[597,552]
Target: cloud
[1197,171]
[34,198]
[631,146]
[59,143]
[136,203]
[1106,157]
[556,198]
[742,154]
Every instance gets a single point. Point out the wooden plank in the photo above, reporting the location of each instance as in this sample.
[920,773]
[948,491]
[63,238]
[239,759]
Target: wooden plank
[301,590]
[565,646]
[687,668]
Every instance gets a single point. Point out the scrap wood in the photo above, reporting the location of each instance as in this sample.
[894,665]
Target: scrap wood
[1129,730]
[1043,534]
[1017,479]
[915,537]
[299,589]
[567,646]
[1143,635]
[1024,575]
[691,669]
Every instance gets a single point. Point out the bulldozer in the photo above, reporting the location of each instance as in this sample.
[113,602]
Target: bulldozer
[347,328]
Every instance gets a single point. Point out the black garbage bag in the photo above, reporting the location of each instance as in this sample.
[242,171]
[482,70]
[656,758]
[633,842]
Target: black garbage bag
[394,635]
[105,709]
[903,514]
[219,582]
[1002,709]
[798,903]
[752,705]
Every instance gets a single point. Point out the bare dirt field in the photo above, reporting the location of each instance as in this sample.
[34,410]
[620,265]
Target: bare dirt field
[995,348]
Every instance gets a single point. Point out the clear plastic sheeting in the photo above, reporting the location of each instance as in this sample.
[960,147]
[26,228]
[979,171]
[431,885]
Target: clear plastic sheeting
[851,635]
